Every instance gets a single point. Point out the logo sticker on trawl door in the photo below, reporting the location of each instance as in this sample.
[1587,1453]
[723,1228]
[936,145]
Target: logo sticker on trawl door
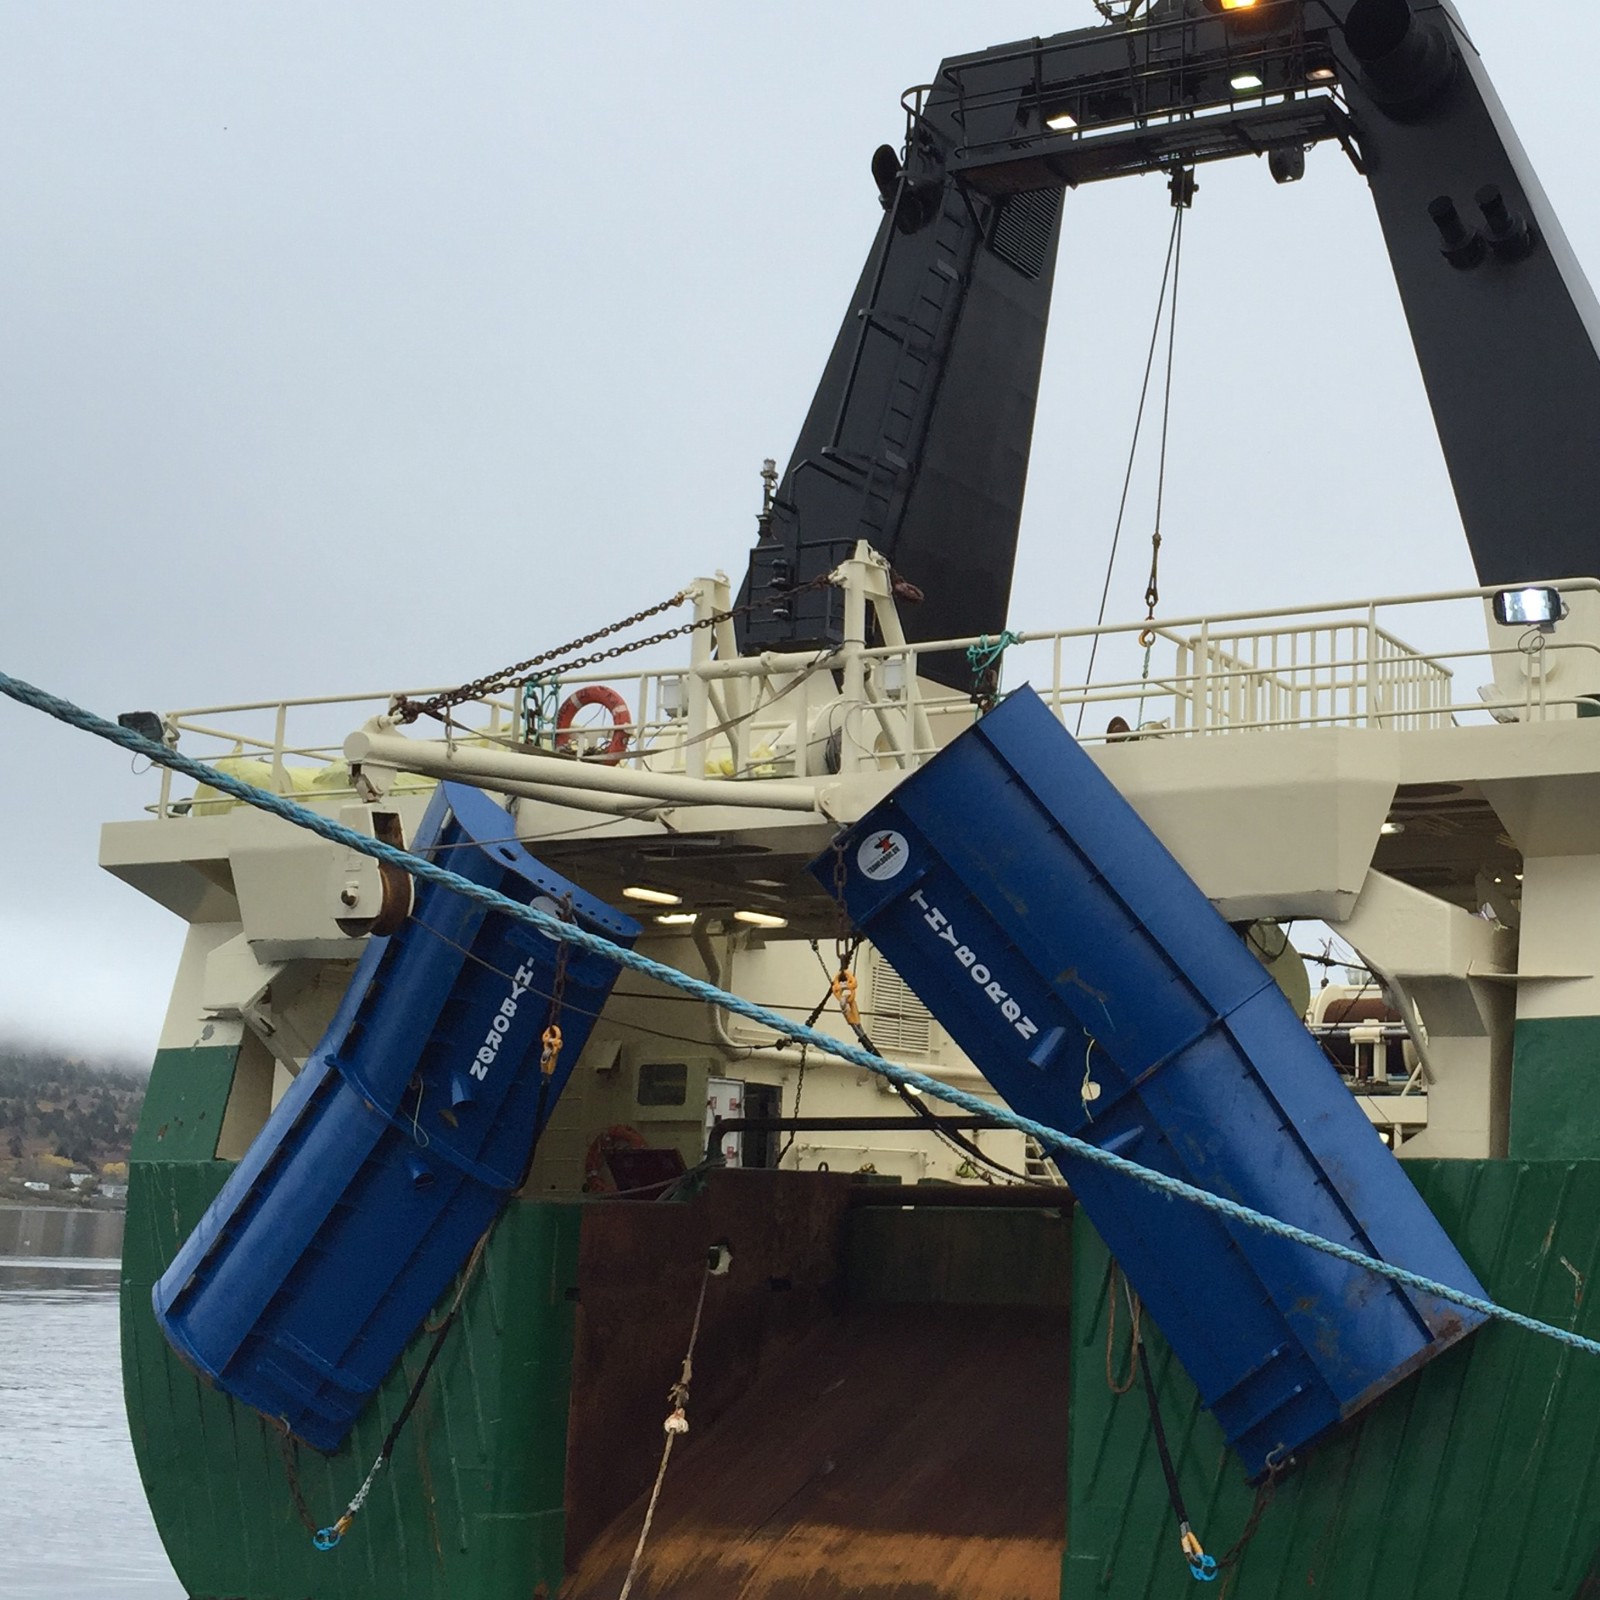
[883,856]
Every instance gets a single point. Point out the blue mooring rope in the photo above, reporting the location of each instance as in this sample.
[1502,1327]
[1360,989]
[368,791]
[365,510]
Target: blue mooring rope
[75,716]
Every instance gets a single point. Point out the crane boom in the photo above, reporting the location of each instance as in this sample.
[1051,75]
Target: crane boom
[918,437]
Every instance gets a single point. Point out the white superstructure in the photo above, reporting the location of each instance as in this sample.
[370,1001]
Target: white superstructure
[1310,768]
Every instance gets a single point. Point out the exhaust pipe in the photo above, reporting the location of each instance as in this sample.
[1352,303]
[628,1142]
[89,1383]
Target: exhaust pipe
[1406,64]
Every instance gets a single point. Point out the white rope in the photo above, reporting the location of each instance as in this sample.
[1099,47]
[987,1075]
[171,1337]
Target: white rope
[675,1425]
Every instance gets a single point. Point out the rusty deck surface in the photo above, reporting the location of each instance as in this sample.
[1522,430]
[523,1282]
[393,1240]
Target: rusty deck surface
[908,1452]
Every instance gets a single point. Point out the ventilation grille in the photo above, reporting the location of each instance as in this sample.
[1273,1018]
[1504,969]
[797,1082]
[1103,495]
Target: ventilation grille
[1024,228]
[899,1021]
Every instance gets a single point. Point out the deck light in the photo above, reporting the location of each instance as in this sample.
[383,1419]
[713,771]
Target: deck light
[148,726]
[1389,829]
[1529,608]
[1322,75]
[761,919]
[677,919]
[652,897]
[1287,163]
[1245,82]
[1061,122]
[671,698]
[1244,16]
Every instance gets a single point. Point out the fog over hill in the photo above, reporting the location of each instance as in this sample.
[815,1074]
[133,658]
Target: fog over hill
[59,1110]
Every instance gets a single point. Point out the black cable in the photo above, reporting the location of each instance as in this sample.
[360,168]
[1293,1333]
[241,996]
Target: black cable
[953,1136]
[1166,404]
[393,1436]
[586,1011]
[327,1538]
[1133,451]
[799,1090]
[1174,1493]
[927,1118]
[958,1141]
[967,1147]
[1201,1566]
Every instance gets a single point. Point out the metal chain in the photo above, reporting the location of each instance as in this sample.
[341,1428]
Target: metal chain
[291,1467]
[405,709]
[1266,1490]
[844,989]
[845,945]
[799,1090]
[550,1040]
[841,914]
[408,710]
[558,984]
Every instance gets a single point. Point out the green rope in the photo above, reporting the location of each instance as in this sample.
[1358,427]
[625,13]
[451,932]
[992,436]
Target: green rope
[552,926]
[541,700]
[986,653]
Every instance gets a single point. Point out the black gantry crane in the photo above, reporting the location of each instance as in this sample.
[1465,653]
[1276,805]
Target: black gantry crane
[918,437]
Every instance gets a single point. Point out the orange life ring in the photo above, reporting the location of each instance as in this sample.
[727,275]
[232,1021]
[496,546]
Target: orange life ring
[596,694]
[596,1175]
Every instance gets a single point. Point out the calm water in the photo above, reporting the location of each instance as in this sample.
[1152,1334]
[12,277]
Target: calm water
[73,1522]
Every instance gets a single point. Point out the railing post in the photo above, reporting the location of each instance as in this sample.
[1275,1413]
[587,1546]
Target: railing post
[854,674]
[694,756]
[1374,688]
[280,734]
[921,726]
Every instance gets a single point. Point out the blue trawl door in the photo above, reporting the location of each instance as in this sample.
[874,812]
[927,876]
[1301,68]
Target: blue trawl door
[1058,941]
[397,1144]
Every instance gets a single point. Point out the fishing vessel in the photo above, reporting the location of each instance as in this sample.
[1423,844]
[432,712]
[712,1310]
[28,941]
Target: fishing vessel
[911,1360]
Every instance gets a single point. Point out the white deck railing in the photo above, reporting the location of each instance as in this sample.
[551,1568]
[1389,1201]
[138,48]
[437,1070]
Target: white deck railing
[1354,674]
[1340,664]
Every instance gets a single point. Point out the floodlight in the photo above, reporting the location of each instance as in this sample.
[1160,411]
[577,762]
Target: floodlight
[1529,608]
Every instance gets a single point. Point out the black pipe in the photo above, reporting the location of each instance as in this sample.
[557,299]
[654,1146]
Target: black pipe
[724,1125]
[977,1196]
[1406,64]
[1463,246]
[1510,237]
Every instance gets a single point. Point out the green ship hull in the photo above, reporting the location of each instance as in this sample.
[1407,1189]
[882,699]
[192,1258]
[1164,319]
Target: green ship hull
[535,1438]
[471,1507]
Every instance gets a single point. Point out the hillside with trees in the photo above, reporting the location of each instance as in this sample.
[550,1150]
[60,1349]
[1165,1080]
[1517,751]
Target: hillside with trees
[61,1114]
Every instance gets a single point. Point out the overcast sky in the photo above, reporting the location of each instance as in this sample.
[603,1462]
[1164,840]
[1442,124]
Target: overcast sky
[355,345]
